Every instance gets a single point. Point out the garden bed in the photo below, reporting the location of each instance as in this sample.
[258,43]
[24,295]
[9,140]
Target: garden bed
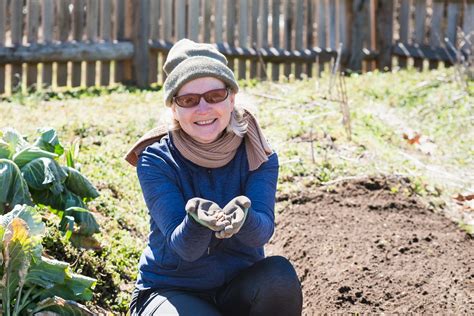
[369,245]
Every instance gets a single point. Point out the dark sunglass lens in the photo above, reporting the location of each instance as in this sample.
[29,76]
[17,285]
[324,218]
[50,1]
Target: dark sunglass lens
[216,96]
[187,101]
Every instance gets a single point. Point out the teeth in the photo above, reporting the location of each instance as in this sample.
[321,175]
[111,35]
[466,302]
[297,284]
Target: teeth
[204,122]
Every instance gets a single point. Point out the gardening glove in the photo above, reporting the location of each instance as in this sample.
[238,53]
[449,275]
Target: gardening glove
[235,213]
[207,213]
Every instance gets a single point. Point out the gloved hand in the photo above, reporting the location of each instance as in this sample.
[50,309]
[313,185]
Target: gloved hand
[207,213]
[235,213]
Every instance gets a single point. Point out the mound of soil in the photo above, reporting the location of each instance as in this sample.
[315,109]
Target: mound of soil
[362,248]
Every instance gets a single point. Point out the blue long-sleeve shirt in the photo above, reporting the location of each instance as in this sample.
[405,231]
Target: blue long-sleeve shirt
[181,253]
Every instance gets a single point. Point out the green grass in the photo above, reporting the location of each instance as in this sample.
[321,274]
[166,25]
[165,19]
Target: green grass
[302,124]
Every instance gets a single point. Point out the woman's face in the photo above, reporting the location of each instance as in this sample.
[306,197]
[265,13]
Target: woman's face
[206,121]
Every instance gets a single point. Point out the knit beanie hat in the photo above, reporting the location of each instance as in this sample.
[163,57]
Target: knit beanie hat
[188,60]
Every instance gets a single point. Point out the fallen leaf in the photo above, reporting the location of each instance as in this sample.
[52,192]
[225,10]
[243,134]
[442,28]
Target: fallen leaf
[412,137]
[464,197]
[468,206]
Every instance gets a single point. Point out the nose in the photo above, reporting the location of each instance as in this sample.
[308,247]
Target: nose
[203,106]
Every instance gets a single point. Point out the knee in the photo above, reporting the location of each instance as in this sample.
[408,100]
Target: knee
[281,275]
[282,268]
[280,293]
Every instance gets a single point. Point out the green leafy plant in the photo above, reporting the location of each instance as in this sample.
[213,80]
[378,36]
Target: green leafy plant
[31,283]
[31,174]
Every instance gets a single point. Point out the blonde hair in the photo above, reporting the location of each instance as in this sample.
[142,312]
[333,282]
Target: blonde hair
[238,124]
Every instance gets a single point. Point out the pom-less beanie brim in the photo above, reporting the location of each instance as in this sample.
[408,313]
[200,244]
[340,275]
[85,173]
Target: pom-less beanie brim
[194,68]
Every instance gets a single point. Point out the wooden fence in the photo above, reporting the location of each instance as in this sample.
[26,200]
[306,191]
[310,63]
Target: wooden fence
[98,42]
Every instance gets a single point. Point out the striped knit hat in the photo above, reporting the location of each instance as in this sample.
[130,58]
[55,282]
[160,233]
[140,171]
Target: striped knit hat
[188,60]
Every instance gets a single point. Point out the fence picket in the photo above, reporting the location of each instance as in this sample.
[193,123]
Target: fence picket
[420,18]
[62,34]
[167,18]
[243,24]
[344,31]
[180,19]
[359,34]
[436,34]
[322,30]
[3,11]
[218,16]
[275,36]
[206,21]
[453,16]
[77,32]
[16,20]
[262,38]
[154,36]
[193,20]
[32,22]
[254,35]
[105,35]
[309,34]
[322,24]
[167,29]
[129,31]
[119,33]
[333,24]
[230,28]
[287,33]
[371,25]
[92,15]
[384,35]
[299,20]
[404,29]
[47,23]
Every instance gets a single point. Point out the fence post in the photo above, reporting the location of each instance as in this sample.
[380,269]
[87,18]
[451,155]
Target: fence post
[347,22]
[384,34]
[136,30]
[140,40]
[359,19]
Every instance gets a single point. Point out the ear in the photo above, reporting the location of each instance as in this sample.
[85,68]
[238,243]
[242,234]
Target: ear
[174,111]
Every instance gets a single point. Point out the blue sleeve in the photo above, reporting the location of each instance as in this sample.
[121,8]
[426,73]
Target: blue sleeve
[260,189]
[166,205]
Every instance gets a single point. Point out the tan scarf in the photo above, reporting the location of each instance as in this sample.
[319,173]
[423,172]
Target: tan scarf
[212,155]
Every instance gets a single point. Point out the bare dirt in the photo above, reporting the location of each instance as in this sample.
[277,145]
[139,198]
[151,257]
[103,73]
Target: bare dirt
[362,248]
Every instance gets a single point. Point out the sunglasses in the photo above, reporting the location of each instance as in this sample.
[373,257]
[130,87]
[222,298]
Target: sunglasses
[193,99]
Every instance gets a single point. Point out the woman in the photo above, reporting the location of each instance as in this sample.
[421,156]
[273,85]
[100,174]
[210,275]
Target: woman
[209,183]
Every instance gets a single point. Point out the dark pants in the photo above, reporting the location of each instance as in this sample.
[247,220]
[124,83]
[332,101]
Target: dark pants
[269,287]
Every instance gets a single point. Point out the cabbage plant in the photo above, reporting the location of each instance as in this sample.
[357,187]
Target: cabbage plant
[32,284]
[31,174]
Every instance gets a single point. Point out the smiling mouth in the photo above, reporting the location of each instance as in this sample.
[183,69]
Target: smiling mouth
[204,123]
